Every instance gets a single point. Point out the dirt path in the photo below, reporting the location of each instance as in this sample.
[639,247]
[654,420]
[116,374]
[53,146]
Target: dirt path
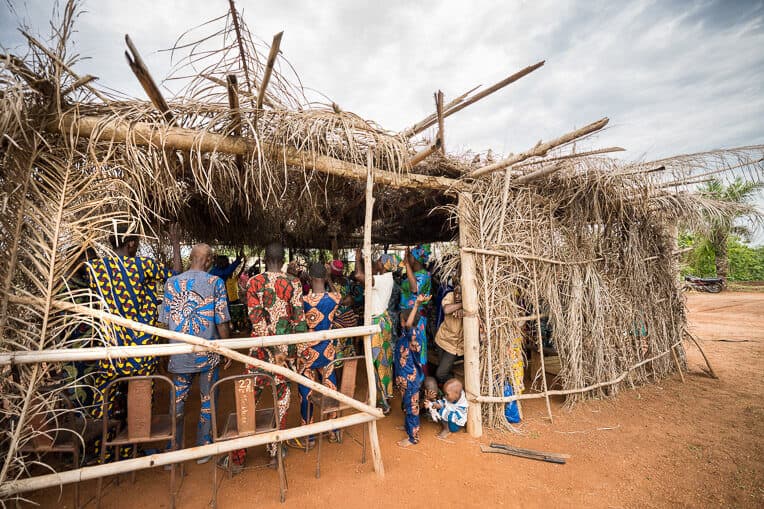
[697,444]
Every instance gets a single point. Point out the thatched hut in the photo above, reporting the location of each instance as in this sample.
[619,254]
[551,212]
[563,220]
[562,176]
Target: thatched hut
[239,156]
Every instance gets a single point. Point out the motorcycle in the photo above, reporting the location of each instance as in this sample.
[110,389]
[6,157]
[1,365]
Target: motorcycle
[703,284]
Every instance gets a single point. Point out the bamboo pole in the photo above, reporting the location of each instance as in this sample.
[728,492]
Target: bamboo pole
[541,149]
[268,69]
[471,325]
[205,344]
[711,371]
[376,451]
[565,392]
[10,488]
[488,91]
[169,137]
[161,350]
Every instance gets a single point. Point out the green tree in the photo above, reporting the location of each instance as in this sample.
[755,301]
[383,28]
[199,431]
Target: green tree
[739,194]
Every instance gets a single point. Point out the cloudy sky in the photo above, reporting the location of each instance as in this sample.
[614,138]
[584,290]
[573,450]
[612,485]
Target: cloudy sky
[673,77]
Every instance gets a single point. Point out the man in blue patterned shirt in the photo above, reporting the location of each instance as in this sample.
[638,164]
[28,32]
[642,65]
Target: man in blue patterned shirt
[196,303]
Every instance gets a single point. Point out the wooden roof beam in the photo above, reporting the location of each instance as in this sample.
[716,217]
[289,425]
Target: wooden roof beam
[179,138]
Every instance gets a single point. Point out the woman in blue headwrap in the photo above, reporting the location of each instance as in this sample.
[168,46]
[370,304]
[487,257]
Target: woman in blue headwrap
[417,282]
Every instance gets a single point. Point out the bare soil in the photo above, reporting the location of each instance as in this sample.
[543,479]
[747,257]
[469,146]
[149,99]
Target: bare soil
[671,444]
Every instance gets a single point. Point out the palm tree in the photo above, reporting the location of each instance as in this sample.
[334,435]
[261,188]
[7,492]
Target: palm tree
[740,194]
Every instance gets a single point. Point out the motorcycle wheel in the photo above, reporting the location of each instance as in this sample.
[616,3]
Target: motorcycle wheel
[716,288]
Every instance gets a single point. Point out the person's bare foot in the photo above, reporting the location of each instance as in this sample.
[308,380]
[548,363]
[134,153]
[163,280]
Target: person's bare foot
[401,428]
[443,434]
[405,443]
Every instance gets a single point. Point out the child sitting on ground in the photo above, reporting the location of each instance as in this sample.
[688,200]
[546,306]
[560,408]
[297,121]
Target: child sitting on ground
[408,371]
[430,389]
[451,410]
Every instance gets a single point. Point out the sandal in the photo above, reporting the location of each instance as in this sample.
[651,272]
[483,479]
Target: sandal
[296,443]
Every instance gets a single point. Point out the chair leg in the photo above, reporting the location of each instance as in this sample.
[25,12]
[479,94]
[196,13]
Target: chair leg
[135,455]
[363,441]
[77,485]
[318,455]
[282,473]
[172,486]
[100,479]
[215,481]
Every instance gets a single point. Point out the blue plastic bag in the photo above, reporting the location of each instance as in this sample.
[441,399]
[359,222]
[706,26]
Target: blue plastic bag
[511,412]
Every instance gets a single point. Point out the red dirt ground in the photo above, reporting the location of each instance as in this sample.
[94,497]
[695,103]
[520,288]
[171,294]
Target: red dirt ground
[697,444]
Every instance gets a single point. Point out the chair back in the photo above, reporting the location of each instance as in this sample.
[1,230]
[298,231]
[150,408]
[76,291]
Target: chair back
[348,375]
[245,404]
[139,398]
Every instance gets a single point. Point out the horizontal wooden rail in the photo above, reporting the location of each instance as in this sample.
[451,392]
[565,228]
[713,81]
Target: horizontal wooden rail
[123,352]
[10,488]
[206,345]
[565,392]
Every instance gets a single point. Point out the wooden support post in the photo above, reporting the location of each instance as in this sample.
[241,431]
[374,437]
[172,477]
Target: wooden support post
[376,452]
[471,324]
[439,111]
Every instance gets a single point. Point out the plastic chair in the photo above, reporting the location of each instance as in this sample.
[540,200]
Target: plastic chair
[246,421]
[142,424]
[328,405]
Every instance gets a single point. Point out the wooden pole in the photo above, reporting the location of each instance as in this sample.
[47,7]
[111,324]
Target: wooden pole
[572,156]
[541,149]
[565,392]
[376,451]
[429,119]
[269,69]
[541,344]
[107,130]
[441,118]
[488,91]
[144,77]
[10,488]
[160,350]
[211,346]
[471,325]
[424,154]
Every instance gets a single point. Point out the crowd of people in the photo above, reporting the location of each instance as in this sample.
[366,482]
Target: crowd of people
[211,300]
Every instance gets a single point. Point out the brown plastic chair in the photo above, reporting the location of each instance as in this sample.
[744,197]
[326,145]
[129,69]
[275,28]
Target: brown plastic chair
[246,421]
[142,425]
[63,435]
[328,406]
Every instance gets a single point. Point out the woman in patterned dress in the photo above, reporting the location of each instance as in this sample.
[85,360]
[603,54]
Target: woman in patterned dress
[319,307]
[417,282]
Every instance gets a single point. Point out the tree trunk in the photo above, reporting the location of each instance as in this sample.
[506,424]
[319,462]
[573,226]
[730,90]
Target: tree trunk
[720,258]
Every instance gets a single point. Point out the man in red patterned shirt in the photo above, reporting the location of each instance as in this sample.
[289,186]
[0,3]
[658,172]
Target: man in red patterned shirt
[274,300]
